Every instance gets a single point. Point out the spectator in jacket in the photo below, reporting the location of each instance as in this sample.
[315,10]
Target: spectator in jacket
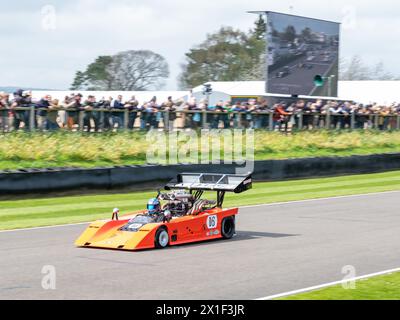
[132,106]
[90,119]
[4,110]
[117,116]
[52,115]
[261,118]
[41,114]
[236,110]
[102,113]
[337,111]
[153,114]
[384,119]
[170,108]
[191,108]
[73,105]
[21,100]
[281,117]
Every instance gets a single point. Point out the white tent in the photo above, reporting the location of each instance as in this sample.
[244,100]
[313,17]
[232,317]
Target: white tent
[383,92]
[141,96]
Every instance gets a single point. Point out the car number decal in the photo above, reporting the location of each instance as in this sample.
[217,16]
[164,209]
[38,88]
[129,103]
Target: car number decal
[212,222]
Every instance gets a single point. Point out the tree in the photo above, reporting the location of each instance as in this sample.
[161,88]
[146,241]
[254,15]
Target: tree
[95,77]
[227,55]
[138,70]
[260,28]
[221,57]
[257,47]
[130,70]
[356,69]
[79,81]
[379,73]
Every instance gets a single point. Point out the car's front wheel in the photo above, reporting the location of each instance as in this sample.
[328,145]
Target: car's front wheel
[162,238]
[228,227]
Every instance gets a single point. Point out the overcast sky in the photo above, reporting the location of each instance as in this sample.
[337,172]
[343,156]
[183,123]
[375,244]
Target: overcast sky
[43,50]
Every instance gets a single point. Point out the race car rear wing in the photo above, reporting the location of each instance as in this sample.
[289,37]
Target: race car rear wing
[211,182]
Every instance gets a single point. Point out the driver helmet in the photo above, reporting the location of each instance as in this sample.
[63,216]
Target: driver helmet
[153,206]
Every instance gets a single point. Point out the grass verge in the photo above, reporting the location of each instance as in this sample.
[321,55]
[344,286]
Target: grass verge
[45,212]
[386,287]
[21,150]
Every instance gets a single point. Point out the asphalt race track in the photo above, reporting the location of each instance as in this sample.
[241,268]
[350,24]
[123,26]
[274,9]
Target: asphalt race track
[279,248]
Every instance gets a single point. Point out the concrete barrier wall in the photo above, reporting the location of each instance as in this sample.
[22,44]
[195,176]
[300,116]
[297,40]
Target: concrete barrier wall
[139,177]
[325,166]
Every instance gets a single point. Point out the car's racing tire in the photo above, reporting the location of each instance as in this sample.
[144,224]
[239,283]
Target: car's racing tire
[228,228]
[162,238]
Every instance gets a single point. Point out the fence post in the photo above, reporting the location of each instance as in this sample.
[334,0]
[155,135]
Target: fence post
[353,121]
[398,122]
[166,121]
[328,120]
[271,122]
[376,121]
[81,115]
[300,121]
[126,119]
[204,122]
[183,120]
[101,119]
[240,120]
[32,118]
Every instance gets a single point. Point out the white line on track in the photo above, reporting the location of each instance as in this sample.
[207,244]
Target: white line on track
[326,285]
[243,207]
[47,227]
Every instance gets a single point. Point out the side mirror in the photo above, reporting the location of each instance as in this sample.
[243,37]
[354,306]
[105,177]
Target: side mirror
[115,214]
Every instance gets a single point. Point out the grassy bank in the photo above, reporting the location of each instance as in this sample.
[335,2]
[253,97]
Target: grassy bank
[45,212]
[385,287]
[64,149]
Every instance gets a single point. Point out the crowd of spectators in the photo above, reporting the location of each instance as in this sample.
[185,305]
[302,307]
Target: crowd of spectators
[20,112]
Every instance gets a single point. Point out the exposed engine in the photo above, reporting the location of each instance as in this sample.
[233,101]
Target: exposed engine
[179,202]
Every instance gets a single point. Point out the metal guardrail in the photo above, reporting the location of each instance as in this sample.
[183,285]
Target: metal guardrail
[183,119]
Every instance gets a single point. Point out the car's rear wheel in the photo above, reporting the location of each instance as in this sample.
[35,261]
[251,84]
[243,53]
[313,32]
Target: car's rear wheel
[228,227]
[162,238]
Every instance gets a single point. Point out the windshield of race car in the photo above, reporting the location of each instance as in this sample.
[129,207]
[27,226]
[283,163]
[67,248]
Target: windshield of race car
[137,222]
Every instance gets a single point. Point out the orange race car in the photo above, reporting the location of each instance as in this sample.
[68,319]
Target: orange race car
[176,217]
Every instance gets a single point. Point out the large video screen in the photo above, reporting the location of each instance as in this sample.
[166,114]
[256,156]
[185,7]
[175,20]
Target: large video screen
[299,49]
